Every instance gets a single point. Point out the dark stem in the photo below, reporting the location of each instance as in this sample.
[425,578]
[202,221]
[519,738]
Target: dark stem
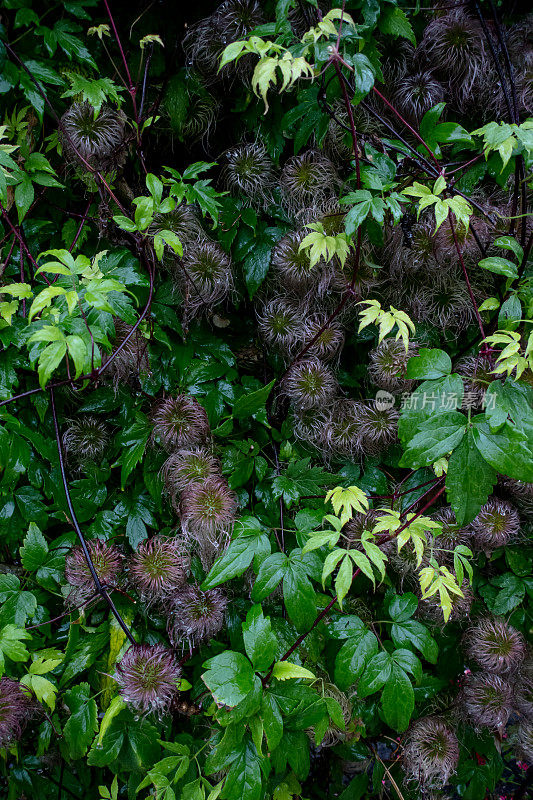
[467,279]
[100,588]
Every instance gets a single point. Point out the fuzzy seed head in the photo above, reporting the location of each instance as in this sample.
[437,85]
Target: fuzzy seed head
[415,94]
[208,510]
[107,560]
[388,364]
[497,524]
[522,494]
[330,336]
[86,440]
[186,467]
[487,700]
[524,741]
[158,567]
[308,179]
[147,677]
[237,18]
[453,46]
[341,428]
[15,711]
[249,170]
[477,371]
[207,277]
[180,422]
[182,221]
[429,608]
[291,265]
[281,324]
[131,360]
[378,427]
[445,303]
[431,752]
[98,140]
[495,646]
[310,384]
[451,534]
[524,695]
[196,616]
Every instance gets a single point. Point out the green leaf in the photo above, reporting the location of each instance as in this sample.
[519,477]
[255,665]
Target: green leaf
[414,633]
[283,670]
[501,266]
[377,672]
[272,720]
[133,442]
[243,781]
[402,607]
[507,451]
[259,641]
[299,596]
[24,196]
[429,364]
[271,571]
[353,657]
[435,437]
[394,22]
[397,699]
[49,359]
[469,480]
[11,644]
[239,554]
[34,551]
[249,404]
[82,724]
[229,677]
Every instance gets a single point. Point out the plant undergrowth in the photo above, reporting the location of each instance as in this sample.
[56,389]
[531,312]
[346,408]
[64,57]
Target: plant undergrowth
[266,391]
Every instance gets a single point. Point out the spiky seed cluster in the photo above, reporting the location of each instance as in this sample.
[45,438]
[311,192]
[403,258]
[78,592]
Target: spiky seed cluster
[147,677]
[249,170]
[158,567]
[497,524]
[415,94]
[524,695]
[388,365]
[206,40]
[522,494]
[524,741]
[16,710]
[196,616]
[310,384]
[187,467]
[495,646]
[431,752]
[452,534]
[308,180]
[180,421]
[98,139]
[477,371]
[487,700]
[201,118]
[354,528]
[334,734]
[183,221]
[107,560]
[330,336]
[131,359]
[397,59]
[453,46]
[341,429]
[86,440]
[378,427]
[430,608]
[281,324]
[206,277]
[445,303]
[291,265]
[208,510]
